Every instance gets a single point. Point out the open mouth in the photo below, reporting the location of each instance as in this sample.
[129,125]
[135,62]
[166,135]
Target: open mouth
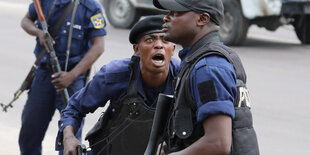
[158,59]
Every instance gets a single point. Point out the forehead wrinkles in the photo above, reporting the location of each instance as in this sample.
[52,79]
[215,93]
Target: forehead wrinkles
[155,35]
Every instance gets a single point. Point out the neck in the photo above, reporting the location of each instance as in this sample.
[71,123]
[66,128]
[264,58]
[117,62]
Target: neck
[152,79]
[200,33]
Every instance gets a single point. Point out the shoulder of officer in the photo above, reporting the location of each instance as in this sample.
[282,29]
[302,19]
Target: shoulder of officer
[117,71]
[174,66]
[91,4]
[215,60]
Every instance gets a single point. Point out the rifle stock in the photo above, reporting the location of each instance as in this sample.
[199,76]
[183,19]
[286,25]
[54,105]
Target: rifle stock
[49,47]
[27,82]
[162,113]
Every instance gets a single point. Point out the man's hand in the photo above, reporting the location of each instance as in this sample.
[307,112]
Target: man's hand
[43,38]
[70,145]
[70,142]
[62,80]
[41,35]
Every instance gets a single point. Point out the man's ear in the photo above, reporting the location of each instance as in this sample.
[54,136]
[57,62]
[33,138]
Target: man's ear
[136,49]
[204,18]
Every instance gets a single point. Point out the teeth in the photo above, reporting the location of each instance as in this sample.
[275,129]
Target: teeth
[158,61]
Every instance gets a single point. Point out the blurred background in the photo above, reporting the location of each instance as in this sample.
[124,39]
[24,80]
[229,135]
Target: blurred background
[276,62]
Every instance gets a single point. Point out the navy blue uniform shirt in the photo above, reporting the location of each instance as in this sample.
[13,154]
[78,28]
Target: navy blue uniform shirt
[222,73]
[89,22]
[110,84]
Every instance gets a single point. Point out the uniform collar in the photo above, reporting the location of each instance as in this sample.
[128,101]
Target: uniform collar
[183,53]
[210,37]
[60,2]
[168,84]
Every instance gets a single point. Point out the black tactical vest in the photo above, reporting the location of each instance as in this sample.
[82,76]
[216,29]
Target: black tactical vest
[184,128]
[129,130]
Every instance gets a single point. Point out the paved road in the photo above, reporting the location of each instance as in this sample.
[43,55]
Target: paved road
[276,64]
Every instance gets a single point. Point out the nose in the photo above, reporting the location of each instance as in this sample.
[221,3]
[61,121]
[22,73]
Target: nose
[158,44]
[167,17]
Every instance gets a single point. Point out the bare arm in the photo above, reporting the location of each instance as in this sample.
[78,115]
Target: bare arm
[64,79]
[91,56]
[216,140]
[28,25]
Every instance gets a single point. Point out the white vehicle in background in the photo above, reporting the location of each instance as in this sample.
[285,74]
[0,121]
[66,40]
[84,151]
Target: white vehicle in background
[239,15]
[270,14]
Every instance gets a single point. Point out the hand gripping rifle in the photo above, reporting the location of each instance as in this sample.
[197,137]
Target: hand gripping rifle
[160,122]
[49,47]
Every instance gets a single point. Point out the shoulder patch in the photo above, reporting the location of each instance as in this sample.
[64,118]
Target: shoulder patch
[207,91]
[97,21]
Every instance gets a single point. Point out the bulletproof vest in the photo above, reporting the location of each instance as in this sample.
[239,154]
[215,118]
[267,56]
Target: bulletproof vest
[184,128]
[127,132]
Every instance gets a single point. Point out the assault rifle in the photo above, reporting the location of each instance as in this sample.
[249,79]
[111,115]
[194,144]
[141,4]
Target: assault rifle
[49,47]
[160,122]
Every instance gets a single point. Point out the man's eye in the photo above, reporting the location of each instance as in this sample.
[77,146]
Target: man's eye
[149,39]
[174,13]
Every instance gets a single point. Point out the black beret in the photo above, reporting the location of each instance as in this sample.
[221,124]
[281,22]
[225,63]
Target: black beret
[148,25]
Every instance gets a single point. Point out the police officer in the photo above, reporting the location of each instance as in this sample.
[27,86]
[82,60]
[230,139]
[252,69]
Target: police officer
[124,85]
[202,120]
[86,46]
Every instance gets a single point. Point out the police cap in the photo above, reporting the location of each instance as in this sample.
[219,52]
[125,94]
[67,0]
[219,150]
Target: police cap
[148,25]
[214,8]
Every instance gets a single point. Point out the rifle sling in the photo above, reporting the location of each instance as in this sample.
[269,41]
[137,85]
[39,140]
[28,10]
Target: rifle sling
[56,29]
[62,19]
[51,10]
[76,3]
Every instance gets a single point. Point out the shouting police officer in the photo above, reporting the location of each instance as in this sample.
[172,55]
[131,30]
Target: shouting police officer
[131,86]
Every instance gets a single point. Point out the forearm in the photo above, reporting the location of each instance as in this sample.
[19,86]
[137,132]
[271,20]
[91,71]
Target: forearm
[28,25]
[204,146]
[72,115]
[68,132]
[90,57]
[216,139]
